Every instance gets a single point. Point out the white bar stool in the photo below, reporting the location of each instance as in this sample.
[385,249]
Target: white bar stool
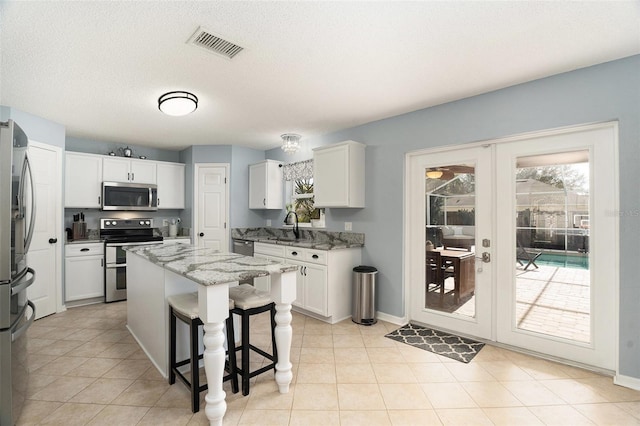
[185,308]
[249,301]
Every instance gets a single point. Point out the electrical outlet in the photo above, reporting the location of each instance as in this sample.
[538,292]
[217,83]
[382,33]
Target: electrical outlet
[268,222]
[348,226]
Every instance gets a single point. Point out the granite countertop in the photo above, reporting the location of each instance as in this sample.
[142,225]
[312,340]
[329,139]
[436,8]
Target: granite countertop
[207,266]
[312,239]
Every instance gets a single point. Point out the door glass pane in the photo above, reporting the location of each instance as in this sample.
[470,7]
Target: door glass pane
[552,245]
[450,233]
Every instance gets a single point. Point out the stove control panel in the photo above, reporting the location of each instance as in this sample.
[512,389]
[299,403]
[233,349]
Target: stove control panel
[126,223]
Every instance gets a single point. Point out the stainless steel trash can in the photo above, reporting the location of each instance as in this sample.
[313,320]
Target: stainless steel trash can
[363,310]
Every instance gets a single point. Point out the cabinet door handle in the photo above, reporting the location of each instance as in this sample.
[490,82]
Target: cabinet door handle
[315,256]
[294,253]
[264,201]
[101,262]
[99,201]
[84,249]
[53,240]
[158,201]
[305,271]
[133,177]
[128,176]
[301,270]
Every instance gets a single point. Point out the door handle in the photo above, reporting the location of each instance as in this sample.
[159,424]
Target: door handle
[486,257]
[53,240]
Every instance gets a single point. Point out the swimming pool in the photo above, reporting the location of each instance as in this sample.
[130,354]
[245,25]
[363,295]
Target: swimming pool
[564,260]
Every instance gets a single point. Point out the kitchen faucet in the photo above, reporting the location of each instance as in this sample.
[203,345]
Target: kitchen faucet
[296,231]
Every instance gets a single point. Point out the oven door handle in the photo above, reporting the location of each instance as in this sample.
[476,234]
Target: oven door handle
[115,265]
[21,287]
[19,332]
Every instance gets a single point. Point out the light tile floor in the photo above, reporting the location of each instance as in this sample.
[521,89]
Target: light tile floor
[87,369]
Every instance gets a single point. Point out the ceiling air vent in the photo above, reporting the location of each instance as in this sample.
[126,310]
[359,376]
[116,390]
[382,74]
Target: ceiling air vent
[214,44]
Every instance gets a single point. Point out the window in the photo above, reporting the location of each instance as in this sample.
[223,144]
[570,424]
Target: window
[301,201]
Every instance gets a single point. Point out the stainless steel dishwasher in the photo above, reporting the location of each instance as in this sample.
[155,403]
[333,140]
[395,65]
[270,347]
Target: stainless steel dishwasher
[245,248]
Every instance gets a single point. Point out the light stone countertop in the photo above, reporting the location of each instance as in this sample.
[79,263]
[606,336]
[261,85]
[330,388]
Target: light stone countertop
[208,266]
[309,238]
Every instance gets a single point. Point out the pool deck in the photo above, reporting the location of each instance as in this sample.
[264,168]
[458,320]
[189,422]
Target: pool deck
[553,300]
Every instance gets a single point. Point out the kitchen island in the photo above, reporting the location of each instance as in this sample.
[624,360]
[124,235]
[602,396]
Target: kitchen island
[156,272]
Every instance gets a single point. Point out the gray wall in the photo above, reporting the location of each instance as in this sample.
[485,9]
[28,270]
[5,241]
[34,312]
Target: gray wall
[38,129]
[604,92]
[241,216]
[92,146]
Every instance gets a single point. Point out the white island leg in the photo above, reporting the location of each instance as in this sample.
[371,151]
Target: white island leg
[283,292]
[213,304]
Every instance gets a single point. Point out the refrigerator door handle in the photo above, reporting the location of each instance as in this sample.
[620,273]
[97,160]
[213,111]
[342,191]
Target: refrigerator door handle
[17,289]
[19,332]
[32,221]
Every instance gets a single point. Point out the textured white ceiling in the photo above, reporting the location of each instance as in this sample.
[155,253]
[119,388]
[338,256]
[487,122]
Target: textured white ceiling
[308,67]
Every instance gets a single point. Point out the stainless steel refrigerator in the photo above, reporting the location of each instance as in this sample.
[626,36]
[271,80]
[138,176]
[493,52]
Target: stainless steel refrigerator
[17,214]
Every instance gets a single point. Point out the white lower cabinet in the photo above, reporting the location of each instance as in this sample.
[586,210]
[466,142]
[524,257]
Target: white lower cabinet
[84,272]
[323,279]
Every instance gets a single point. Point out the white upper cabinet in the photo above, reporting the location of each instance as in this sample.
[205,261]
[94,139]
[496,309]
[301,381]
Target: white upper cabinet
[170,178]
[128,170]
[338,175]
[83,180]
[266,185]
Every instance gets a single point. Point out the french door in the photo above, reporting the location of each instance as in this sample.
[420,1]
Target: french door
[450,211]
[515,241]
[560,215]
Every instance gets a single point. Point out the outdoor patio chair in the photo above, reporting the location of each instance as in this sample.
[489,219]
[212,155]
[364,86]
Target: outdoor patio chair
[523,255]
[436,271]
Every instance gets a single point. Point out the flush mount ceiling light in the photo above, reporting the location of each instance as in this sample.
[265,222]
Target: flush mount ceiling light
[290,142]
[177,103]
[434,174]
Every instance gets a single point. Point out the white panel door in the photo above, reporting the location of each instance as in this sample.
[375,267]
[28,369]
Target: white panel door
[45,254]
[211,199]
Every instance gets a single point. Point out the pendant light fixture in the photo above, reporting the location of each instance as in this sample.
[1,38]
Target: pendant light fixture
[434,174]
[177,103]
[290,142]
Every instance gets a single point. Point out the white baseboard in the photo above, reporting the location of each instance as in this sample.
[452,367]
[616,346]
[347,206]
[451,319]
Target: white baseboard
[390,318]
[627,381]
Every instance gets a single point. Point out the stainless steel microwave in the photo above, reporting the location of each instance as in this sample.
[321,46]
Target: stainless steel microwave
[129,196]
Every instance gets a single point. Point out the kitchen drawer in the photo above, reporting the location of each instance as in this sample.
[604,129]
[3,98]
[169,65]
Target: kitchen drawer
[89,249]
[315,256]
[269,249]
[307,255]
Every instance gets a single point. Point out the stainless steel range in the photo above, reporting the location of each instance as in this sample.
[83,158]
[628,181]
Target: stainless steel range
[117,234]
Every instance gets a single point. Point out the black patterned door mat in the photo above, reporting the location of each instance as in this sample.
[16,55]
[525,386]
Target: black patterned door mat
[438,342]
